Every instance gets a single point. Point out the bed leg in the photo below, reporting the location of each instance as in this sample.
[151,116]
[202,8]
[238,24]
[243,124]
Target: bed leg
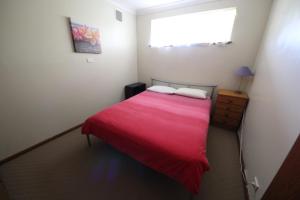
[191,196]
[88,140]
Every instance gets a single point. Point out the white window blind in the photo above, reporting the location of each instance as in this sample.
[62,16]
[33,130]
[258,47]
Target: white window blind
[214,26]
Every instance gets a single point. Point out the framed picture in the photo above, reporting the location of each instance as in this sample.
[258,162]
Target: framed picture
[86,38]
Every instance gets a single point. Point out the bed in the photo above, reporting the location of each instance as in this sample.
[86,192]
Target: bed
[167,133]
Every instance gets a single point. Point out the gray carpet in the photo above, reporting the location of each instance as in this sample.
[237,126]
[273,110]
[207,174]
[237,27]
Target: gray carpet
[3,192]
[67,168]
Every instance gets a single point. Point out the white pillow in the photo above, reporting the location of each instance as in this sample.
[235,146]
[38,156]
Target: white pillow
[191,92]
[162,89]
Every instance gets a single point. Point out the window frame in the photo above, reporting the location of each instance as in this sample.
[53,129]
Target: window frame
[198,44]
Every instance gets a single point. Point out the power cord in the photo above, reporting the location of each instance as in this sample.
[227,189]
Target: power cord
[241,133]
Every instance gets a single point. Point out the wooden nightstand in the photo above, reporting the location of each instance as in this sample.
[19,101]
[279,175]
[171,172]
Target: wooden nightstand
[229,109]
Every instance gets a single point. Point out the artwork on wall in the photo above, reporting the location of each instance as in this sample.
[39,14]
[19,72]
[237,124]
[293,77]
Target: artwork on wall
[86,39]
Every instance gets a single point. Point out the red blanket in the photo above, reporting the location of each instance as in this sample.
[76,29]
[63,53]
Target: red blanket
[165,132]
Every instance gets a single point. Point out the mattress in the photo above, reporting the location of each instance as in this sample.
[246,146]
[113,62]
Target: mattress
[167,133]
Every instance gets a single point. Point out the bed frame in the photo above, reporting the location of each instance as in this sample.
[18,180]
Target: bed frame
[209,88]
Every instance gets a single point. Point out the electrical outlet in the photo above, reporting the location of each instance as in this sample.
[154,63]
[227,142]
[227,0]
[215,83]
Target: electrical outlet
[255,184]
[90,60]
[119,15]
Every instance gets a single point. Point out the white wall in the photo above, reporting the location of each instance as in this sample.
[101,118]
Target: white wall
[46,88]
[213,65]
[272,122]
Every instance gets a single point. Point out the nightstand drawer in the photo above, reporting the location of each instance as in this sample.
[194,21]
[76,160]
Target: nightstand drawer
[226,122]
[229,107]
[231,100]
[227,114]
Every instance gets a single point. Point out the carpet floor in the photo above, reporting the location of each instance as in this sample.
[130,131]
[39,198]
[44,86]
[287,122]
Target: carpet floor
[66,168]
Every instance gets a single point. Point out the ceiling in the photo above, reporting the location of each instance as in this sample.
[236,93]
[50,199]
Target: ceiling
[140,4]
[148,6]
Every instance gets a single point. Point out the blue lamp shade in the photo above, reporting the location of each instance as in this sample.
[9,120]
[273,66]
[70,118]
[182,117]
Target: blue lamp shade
[244,71]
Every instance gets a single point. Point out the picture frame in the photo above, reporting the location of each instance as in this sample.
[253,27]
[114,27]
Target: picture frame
[86,38]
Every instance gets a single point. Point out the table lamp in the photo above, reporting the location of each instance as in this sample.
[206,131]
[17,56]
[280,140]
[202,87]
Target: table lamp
[243,72]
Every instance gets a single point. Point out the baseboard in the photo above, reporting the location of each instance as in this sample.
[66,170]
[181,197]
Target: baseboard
[5,160]
[246,190]
[246,185]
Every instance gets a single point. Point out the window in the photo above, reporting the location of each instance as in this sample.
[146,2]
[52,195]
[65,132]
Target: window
[214,26]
